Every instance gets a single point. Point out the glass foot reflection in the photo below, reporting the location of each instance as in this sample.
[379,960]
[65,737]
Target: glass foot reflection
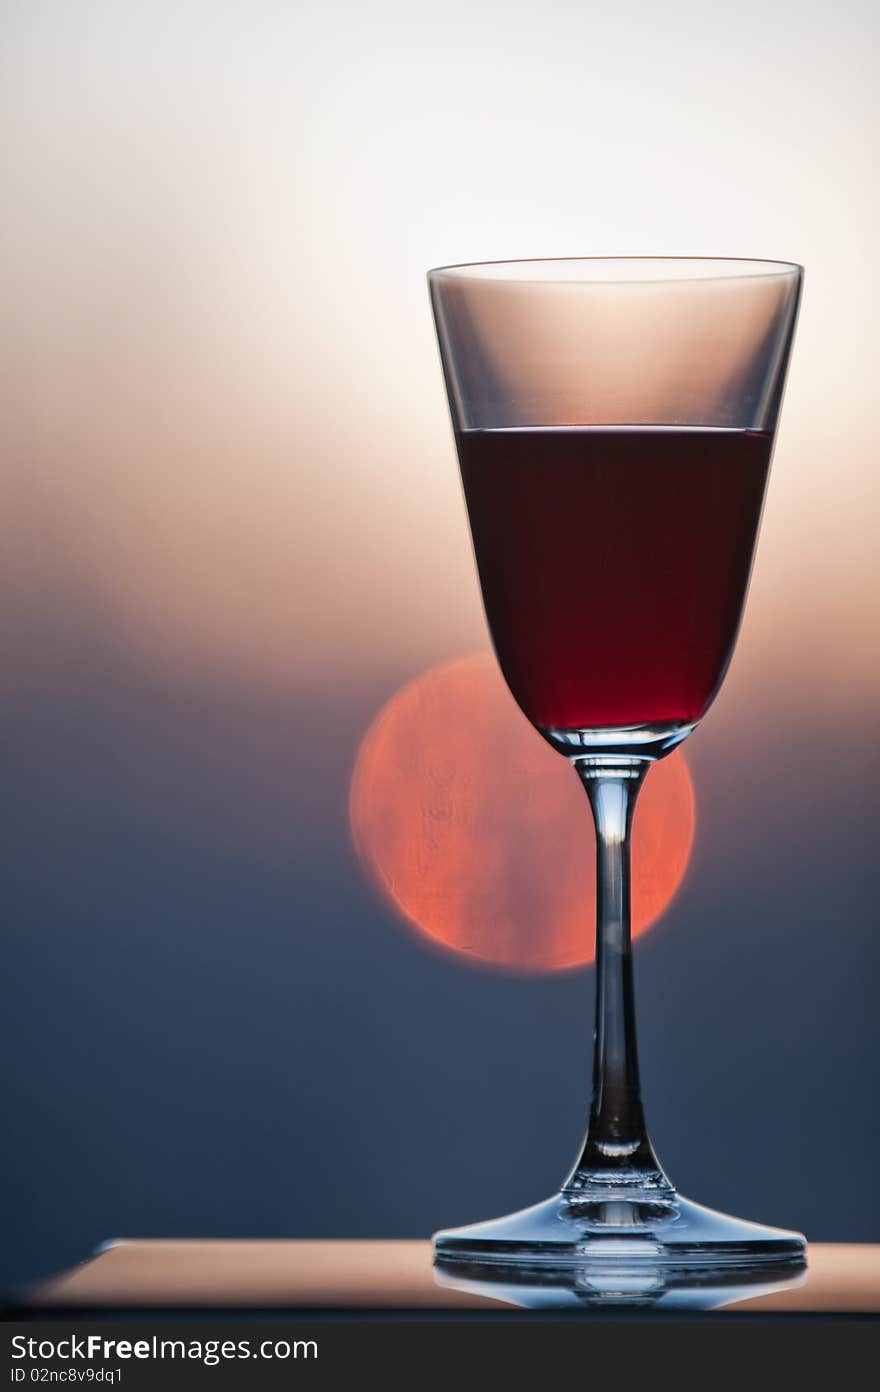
[641,1242]
[667,1288]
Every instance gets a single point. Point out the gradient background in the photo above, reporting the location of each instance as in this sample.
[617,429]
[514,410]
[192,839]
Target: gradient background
[232,528]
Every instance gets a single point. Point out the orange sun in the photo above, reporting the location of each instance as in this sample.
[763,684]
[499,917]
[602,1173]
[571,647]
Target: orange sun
[481,835]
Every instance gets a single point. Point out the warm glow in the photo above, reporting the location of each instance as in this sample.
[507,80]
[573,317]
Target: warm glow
[480,834]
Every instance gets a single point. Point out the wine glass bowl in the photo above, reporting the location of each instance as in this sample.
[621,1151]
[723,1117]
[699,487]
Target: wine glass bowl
[614,421]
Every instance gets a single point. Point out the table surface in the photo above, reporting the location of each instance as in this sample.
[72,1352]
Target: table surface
[384,1276]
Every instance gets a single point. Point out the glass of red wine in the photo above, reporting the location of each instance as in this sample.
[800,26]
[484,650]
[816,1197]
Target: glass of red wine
[614,420]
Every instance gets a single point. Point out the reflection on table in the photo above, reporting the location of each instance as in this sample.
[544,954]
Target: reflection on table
[383,1276]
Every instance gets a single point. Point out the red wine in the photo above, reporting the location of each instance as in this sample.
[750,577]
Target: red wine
[614,563]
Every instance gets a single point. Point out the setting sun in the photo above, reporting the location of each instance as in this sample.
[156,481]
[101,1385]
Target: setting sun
[480,835]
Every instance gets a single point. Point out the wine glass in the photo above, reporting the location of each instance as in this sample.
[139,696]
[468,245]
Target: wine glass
[614,420]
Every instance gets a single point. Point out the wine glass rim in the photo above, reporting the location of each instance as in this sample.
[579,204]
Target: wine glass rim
[703,268]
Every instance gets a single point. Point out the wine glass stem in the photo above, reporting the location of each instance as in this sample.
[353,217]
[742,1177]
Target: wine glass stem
[617,1149]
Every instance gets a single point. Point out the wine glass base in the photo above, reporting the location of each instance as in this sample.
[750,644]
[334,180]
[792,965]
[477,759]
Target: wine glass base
[620,1234]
